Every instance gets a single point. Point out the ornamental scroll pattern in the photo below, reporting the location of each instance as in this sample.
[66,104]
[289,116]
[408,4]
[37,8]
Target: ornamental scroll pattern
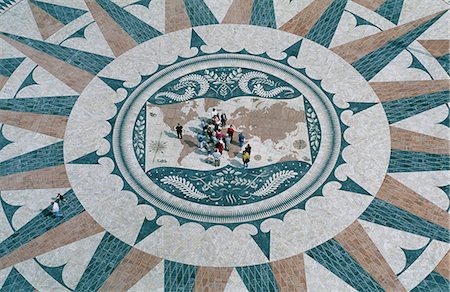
[224,83]
[229,186]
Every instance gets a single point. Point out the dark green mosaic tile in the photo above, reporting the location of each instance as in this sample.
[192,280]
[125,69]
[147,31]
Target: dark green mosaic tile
[374,62]
[16,282]
[89,62]
[391,10]
[323,30]
[178,277]
[199,13]
[7,66]
[4,4]
[397,110]
[333,256]
[408,161]
[433,282]
[42,223]
[51,155]
[53,105]
[385,214]
[445,62]
[136,28]
[3,140]
[106,258]
[263,14]
[62,13]
[258,278]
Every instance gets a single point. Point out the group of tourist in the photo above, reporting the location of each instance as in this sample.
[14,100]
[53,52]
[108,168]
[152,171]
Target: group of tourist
[215,138]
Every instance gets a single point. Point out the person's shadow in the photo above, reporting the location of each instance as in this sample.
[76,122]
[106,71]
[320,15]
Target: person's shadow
[170,134]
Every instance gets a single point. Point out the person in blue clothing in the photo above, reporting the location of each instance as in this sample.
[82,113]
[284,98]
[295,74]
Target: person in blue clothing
[201,140]
[241,139]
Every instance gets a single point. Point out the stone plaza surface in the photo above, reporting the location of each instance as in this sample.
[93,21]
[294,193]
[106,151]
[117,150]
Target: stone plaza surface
[344,102]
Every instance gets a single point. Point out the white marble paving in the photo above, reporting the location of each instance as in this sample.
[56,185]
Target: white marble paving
[320,279]
[427,123]
[235,283]
[21,144]
[152,281]
[20,21]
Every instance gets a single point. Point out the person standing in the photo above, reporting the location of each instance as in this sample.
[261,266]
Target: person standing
[55,209]
[230,132]
[245,158]
[179,129]
[201,140]
[241,139]
[248,148]
[216,156]
[227,142]
[223,119]
[214,113]
[219,146]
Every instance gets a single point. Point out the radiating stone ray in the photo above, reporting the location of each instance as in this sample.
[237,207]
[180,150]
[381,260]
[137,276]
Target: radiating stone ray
[399,195]
[44,178]
[335,258]
[46,23]
[290,273]
[383,213]
[118,39]
[371,54]
[411,141]
[239,12]
[212,278]
[48,236]
[258,277]
[135,265]
[176,16]
[358,244]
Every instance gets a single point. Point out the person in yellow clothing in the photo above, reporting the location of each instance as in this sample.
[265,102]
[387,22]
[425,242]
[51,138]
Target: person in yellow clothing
[245,158]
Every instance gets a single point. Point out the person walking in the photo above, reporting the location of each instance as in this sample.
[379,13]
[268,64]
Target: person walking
[230,132]
[245,158]
[55,209]
[179,129]
[217,156]
[241,139]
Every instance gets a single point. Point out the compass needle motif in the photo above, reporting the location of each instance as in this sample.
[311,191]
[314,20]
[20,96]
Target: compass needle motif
[108,176]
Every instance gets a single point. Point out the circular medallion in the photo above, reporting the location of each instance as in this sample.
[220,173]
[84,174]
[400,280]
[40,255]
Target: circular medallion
[312,137]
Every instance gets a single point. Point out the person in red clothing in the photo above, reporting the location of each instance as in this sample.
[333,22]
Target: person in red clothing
[230,132]
[219,147]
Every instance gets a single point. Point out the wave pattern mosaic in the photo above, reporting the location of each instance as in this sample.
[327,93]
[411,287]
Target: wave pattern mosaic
[330,170]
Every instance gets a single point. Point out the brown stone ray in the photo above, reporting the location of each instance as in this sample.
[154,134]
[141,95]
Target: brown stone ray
[118,40]
[355,240]
[239,12]
[74,77]
[131,269]
[301,23]
[443,268]
[176,16]
[3,80]
[46,23]
[75,229]
[370,4]
[44,178]
[437,48]
[290,273]
[51,125]
[359,48]
[399,195]
[411,141]
[211,279]
[387,91]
